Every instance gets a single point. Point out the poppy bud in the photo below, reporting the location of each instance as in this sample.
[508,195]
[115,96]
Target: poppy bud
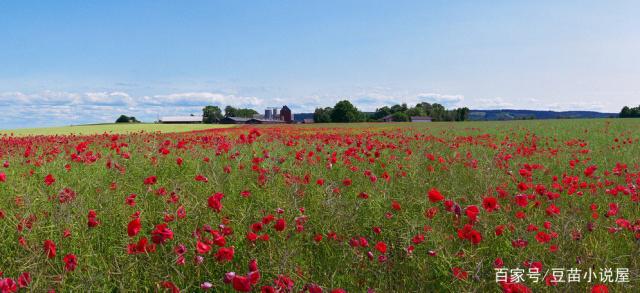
[228,277]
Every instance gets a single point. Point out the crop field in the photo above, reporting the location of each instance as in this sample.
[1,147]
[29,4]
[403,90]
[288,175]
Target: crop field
[114,128]
[394,207]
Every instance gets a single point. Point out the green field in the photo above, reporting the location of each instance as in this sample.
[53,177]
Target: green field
[387,207]
[112,128]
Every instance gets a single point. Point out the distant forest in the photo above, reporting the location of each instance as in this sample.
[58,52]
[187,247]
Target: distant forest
[630,112]
[344,111]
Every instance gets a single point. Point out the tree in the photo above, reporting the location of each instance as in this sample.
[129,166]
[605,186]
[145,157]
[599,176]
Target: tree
[461,114]
[400,117]
[630,112]
[625,113]
[344,111]
[211,114]
[127,119]
[321,115]
[381,113]
[247,113]
[123,119]
[416,111]
[230,111]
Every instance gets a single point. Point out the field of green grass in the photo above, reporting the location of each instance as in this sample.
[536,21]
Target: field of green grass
[112,128]
[384,207]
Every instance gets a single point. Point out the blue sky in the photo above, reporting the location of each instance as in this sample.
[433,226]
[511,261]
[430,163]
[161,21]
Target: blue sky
[71,62]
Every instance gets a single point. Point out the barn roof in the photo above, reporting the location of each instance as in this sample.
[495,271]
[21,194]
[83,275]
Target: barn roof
[237,119]
[181,118]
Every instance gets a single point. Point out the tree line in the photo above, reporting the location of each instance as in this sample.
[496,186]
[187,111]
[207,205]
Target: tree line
[630,112]
[344,111]
[213,114]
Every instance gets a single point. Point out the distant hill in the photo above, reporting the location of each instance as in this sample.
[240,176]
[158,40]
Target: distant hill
[510,114]
[301,116]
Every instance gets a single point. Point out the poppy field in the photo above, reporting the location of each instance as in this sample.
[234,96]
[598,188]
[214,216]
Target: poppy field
[394,207]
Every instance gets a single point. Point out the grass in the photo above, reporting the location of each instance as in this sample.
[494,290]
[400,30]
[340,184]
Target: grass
[116,128]
[281,167]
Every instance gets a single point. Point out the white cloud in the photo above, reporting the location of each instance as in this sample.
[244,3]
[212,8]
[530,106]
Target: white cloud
[50,108]
[576,106]
[201,98]
[445,100]
[491,103]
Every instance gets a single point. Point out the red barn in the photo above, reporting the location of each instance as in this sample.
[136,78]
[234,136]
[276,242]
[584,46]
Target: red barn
[285,114]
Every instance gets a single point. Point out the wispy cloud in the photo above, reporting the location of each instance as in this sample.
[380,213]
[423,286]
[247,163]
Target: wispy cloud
[48,108]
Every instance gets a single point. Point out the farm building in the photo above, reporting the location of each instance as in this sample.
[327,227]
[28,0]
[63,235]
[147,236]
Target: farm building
[243,120]
[264,121]
[285,114]
[234,120]
[420,119]
[181,119]
[388,118]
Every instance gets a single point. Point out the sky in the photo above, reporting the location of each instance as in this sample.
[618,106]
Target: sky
[73,62]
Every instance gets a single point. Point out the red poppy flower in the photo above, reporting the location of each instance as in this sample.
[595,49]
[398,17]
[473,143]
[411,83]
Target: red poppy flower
[24,280]
[225,254]
[131,200]
[66,195]
[181,212]
[49,248]
[151,180]
[161,234]
[70,262]
[543,237]
[171,286]
[381,247]
[472,212]
[241,284]
[3,177]
[48,180]
[202,248]
[459,273]
[133,228]
[280,224]
[590,170]
[552,210]
[141,247]
[600,288]
[215,203]
[490,204]
[435,195]
[92,219]
[8,285]
[514,288]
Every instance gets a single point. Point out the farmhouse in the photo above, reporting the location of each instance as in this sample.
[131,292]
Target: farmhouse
[181,119]
[420,119]
[243,120]
[234,120]
[388,118]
